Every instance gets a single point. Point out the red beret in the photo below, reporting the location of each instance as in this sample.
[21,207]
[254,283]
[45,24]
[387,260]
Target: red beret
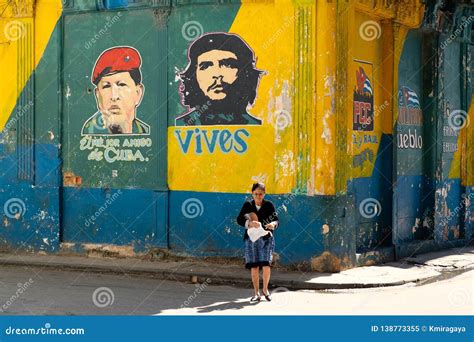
[114,60]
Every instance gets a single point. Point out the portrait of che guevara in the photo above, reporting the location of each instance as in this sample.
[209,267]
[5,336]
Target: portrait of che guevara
[220,82]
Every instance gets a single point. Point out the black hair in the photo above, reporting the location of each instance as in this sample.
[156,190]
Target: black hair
[258,185]
[135,74]
[245,87]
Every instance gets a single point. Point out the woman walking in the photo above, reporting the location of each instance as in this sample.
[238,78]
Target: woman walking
[259,253]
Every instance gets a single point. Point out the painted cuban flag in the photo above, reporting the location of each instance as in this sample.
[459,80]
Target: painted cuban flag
[409,97]
[368,86]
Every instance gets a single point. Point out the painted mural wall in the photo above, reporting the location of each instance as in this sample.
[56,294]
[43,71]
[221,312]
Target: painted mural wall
[328,105]
[231,105]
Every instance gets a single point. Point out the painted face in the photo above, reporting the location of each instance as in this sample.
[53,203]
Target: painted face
[117,98]
[215,70]
[258,195]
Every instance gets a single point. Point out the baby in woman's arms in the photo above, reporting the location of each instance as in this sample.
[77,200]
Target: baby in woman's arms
[255,233]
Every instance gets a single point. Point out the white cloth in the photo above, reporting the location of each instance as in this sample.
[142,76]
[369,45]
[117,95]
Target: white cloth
[256,233]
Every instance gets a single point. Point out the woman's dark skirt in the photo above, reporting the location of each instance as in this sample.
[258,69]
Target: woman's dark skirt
[260,252]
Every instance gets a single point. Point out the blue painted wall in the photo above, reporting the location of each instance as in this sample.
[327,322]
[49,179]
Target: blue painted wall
[204,224]
[119,217]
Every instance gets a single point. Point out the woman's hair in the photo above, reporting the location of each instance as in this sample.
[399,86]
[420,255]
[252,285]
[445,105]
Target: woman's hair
[260,186]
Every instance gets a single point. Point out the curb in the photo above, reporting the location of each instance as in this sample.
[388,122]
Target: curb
[199,276]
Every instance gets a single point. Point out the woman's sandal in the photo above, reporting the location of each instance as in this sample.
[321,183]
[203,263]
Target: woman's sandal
[255,299]
[267,297]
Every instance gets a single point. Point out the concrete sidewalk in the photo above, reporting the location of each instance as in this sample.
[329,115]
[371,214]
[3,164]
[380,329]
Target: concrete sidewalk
[415,269]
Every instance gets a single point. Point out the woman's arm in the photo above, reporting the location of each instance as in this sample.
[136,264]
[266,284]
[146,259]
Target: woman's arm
[272,220]
[241,220]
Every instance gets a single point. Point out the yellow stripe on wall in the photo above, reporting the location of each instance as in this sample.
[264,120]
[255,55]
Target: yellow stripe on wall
[268,28]
[12,30]
[463,161]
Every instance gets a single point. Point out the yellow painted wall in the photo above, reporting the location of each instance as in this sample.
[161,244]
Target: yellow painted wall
[324,157]
[465,154]
[12,30]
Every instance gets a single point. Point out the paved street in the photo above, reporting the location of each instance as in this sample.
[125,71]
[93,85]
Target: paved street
[36,291]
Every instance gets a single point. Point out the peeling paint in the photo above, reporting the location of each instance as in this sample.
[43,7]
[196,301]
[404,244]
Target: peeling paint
[41,215]
[280,109]
[68,92]
[416,225]
[326,135]
[108,249]
[261,178]
[325,229]
[326,262]
[286,163]
[456,232]
[176,74]
[446,233]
